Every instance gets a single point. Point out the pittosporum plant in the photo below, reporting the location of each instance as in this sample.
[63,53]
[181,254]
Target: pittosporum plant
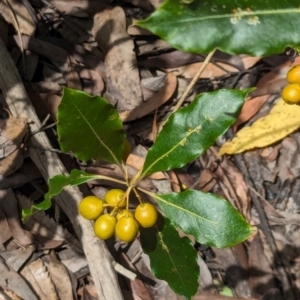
[256,28]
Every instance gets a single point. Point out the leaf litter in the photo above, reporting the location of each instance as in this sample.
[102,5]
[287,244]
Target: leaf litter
[72,57]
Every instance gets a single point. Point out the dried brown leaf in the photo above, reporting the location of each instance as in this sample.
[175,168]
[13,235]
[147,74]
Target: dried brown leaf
[154,102]
[5,231]
[137,162]
[212,70]
[38,277]
[16,258]
[250,61]
[8,204]
[122,73]
[206,180]
[11,280]
[25,23]
[261,274]
[249,109]
[60,276]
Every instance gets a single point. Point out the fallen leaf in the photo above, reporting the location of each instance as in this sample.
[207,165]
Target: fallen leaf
[250,61]
[123,79]
[137,162]
[20,12]
[262,277]
[206,180]
[16,258]
[211,71]
[60,276]
[282,120]
[8,204]
[249,109]
[11,280]
[38,277]
[153,102]
[12,139]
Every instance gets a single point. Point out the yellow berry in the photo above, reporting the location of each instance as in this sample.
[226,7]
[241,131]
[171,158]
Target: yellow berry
[104,227]
[127,229]
[293,75]
[291,93]
[124,213]
[91,207]
[114,198]
[146,215]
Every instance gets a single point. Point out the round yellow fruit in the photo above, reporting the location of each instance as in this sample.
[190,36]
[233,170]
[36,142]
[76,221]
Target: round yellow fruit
[114,198]
[104,227]
[91,207]
[146,215]
[293,75]
[127,229]
[291,93]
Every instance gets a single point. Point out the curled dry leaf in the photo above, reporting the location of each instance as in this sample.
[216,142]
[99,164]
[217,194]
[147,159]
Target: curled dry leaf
[282,120]
[154,102]
[12,138]
[8,204]
[25,23]
[38,277]
[122,72]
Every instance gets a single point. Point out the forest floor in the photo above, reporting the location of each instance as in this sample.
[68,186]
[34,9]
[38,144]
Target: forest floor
[92,46]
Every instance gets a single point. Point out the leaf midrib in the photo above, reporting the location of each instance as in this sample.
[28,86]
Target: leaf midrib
[240,14]
[96,135]
[173,148]
[171,259]
[183,209]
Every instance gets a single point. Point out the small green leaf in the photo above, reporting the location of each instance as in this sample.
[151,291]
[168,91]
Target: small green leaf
[90,127]
[191,130]
[172,258]
[56,185]
[212,220]
[256,28]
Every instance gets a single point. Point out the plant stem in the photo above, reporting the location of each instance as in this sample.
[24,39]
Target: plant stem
[196,77]
[108,178]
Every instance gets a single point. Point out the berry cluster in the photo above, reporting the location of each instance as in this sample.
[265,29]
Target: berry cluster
[291,93]
[117,219]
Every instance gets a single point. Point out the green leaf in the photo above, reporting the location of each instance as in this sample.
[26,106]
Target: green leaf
[90,127]
[56,185]
[209,218]
[172,258]
[191,130]
[237,27]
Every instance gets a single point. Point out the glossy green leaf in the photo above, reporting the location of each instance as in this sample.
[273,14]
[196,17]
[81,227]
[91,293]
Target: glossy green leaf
[191,130]
[172,258]
[237,27]
[56,185]
[212,220]
[90,127]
